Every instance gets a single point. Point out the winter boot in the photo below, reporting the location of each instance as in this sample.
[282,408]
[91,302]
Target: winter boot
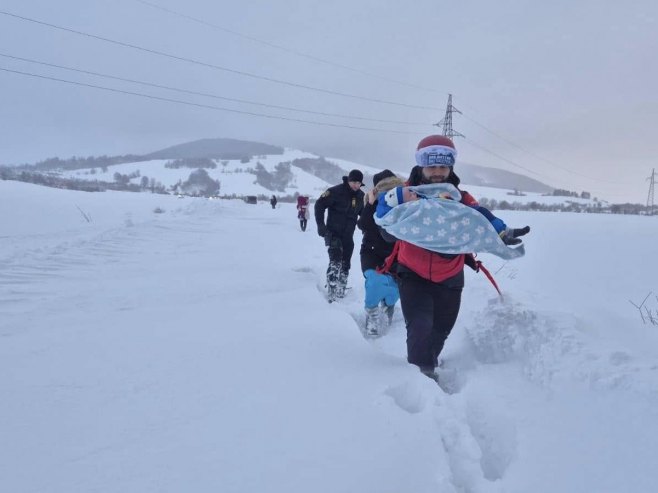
[510,235]
[388,310]
[508,239]
[372,321]
[520,231]
[430,372]
[341,285]
[332,281]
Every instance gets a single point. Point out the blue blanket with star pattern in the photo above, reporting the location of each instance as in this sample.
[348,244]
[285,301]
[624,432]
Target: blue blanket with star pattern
[445,225]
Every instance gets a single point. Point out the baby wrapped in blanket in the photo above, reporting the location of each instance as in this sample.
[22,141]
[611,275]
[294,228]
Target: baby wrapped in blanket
[432,217]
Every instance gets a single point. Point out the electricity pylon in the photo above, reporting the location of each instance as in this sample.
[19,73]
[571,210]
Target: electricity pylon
[650,197]
[446,123]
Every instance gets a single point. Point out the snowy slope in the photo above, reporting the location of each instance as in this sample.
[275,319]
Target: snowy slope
[235,179]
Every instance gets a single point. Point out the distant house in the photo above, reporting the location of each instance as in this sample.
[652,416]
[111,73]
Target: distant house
[251,199]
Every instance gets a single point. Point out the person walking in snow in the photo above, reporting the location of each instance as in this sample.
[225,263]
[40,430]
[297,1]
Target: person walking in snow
[302,211]
[430,283]
[343,203]
[381,289]
[273,201]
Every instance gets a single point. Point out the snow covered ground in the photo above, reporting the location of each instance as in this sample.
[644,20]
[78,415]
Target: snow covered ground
[192,350]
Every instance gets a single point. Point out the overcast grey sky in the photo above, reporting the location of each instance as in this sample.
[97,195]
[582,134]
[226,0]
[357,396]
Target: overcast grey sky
[563,91]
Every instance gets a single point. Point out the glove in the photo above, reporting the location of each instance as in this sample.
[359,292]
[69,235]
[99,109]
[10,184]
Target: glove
[469,260]
[322,230]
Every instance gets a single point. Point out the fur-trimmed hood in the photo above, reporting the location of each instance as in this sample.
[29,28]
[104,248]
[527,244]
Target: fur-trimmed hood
[385,185]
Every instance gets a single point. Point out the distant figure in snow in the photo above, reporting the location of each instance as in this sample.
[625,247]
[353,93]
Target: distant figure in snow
[273,201]
[302,211]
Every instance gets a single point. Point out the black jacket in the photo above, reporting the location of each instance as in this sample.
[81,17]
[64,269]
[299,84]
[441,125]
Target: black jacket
[374,248]
[344,207]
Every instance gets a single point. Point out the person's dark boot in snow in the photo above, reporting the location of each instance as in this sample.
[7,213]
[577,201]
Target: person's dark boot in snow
[430,372]
[389,311]
[510,240]
[516,232]
[341,285]
[333,274]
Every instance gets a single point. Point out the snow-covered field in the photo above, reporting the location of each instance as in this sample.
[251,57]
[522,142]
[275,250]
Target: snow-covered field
[192,350]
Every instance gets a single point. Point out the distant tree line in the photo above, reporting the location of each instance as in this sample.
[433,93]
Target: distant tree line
[121,182]
[74,162]
[558,192]
[199,183]
[196,163]
[568,206]
[55,181]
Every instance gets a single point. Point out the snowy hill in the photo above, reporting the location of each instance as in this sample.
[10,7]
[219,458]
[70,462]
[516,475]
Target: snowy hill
[215,149]
[309,174]
[473,174]
[151,344]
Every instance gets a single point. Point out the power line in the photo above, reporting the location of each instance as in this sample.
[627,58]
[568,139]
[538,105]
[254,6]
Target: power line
[217,67]
[285,49]
[215,96]
[505,159]
[207,106]
[448,131]
[288,83]
[261,115]
[213,107]
[536,156]
[213,66]
[513,163]
[370,74]
[226,109]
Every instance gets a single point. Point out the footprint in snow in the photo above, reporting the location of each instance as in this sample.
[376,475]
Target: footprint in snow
[409,396]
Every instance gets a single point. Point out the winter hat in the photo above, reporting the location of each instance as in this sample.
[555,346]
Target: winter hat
[394,197]
[436,150]
[355,175]
[387,173]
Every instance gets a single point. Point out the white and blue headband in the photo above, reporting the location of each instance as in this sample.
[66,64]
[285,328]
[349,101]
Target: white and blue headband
[436,155]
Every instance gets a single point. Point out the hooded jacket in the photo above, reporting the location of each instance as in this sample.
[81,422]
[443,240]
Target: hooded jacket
[374,248]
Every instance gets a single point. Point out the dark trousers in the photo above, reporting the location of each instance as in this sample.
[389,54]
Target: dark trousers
[430,311]
[340,259]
